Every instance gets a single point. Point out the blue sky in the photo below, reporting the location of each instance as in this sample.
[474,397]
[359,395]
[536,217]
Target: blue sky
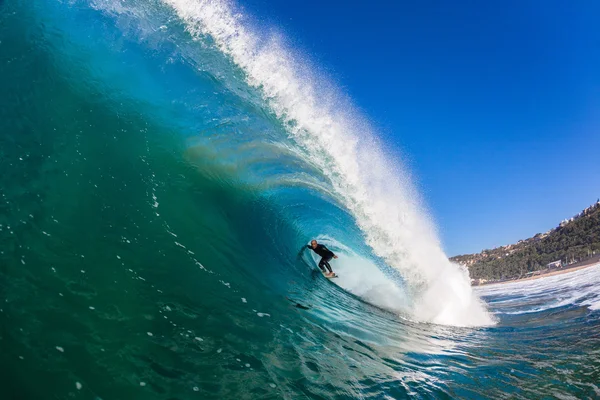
[494,105]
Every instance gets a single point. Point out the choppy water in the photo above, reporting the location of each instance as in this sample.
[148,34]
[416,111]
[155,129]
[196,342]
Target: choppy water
[162,164]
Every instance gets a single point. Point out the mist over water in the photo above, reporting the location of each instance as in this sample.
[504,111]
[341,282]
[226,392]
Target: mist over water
[165,162]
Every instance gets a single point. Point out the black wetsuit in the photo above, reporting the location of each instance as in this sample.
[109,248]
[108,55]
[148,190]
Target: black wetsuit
[326,255]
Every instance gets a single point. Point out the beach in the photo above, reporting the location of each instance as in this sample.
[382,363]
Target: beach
[577,267]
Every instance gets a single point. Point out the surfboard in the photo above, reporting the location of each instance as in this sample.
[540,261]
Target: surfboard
[331,276]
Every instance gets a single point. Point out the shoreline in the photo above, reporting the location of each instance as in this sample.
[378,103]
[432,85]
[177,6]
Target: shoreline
[544,275]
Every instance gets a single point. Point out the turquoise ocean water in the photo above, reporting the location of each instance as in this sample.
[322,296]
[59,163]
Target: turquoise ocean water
[162,163]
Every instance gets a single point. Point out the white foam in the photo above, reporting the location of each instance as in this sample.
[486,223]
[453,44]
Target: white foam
[580,288]
[260,314]
[377,191]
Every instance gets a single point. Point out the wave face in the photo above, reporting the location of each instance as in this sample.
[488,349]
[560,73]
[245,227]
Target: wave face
[164,162]
[327,134]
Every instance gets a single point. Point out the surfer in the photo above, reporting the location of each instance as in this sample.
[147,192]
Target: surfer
[326,256]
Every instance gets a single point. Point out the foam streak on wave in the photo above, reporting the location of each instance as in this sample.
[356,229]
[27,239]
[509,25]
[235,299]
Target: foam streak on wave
[377,191]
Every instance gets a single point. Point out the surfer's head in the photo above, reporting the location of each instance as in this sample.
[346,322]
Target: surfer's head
[313,243]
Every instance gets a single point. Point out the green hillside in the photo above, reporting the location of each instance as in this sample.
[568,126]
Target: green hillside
[573,240]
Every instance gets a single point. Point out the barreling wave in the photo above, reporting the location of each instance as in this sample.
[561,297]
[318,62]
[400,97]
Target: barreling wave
[377,191]
[331,136]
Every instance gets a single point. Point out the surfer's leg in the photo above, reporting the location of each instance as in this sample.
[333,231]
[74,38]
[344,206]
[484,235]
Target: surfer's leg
[322,264]
[326,263]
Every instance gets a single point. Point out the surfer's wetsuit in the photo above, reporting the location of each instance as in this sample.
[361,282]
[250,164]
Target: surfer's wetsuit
[326,256]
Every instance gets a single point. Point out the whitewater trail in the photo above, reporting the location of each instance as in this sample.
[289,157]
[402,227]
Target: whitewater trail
[580,287]
[376,190]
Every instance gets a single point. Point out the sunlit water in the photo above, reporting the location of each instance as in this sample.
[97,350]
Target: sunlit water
[163,163]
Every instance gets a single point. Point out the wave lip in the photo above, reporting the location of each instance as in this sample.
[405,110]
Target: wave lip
[377,191]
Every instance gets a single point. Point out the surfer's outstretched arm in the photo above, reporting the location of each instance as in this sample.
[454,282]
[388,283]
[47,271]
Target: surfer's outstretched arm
[302,250]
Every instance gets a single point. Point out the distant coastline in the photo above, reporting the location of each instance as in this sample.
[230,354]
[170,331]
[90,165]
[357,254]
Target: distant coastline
[549,272]
[574,242]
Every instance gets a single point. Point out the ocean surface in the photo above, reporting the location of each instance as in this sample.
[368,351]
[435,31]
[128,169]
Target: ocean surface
[162,165]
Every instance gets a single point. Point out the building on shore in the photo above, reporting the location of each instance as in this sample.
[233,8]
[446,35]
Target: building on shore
[477,282]
[554,264]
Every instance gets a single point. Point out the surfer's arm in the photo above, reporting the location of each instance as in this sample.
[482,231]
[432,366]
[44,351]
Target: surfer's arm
[302,249]
[334,256]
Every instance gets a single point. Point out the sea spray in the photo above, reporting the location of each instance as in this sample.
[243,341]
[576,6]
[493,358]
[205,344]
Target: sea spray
[377,191]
